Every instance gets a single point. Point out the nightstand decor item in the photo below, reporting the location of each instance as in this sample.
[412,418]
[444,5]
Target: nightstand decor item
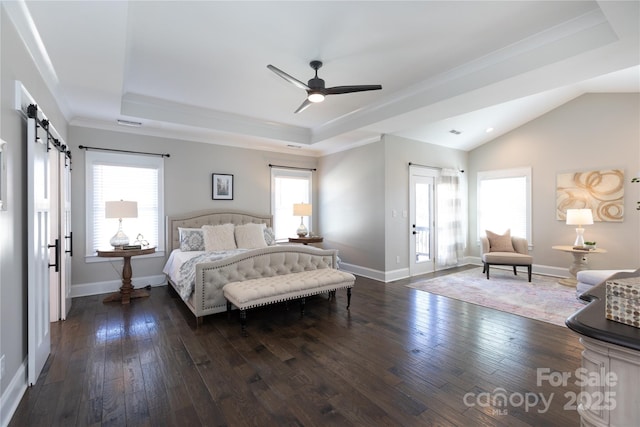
[623,301]
[141,241]
[120,209]
[579,217]
[302,210]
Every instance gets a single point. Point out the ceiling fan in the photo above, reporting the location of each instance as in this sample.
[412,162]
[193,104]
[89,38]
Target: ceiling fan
[315,87]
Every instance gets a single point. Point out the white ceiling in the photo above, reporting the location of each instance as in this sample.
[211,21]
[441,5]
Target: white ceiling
[198,70]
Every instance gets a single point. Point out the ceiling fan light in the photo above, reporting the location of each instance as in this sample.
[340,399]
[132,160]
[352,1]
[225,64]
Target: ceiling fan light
[315,97]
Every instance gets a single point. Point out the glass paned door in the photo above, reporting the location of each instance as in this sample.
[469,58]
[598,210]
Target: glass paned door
[422,226]
[422,222]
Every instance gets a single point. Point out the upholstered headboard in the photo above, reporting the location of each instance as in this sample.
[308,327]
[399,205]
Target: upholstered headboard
[200,218]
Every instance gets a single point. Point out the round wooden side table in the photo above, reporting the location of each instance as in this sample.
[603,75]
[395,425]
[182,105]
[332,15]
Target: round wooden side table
[127,291]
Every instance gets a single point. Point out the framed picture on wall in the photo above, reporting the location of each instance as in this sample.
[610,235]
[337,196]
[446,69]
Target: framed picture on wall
[222,186]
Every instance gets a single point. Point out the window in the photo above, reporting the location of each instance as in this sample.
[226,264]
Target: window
[116,176]
[287,188]
[504,202]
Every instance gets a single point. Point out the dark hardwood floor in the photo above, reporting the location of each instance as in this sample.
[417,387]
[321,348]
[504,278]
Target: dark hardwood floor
[398,357]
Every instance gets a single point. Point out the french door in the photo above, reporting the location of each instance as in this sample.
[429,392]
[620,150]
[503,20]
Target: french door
[422,238]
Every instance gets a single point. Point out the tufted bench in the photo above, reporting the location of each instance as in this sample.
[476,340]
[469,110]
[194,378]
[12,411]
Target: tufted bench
[268,290]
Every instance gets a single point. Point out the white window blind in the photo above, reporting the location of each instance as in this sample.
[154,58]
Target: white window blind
[504,202]
[116,176]
[287,188]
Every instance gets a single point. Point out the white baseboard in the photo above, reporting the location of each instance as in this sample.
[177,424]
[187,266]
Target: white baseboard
[96,288]
[362,271]
[381,276]
[402,273]
[390,276]
[12,395]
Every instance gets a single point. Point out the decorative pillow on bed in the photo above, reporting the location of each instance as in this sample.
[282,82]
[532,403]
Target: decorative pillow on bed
[219,237]
[250,236]
[191,239]
[269,236]
[500,243]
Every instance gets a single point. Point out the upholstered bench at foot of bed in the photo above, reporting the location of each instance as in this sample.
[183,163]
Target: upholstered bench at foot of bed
[268,290]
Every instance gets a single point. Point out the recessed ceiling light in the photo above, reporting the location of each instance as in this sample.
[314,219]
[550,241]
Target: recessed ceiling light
[489,130]
[129,123]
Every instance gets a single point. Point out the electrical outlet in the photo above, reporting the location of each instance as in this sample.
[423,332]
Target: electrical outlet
[2,366]
[398,259]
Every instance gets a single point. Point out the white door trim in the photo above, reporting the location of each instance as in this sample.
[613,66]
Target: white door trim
[417,175]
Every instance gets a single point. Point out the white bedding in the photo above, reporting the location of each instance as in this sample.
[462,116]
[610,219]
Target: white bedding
[181,267]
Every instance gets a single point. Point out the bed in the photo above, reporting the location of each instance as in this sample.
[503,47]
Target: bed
[199,276]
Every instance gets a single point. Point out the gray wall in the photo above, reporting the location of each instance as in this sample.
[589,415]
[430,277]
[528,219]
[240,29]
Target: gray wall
[187,174]
[592,132]
[16,64]
[351,197]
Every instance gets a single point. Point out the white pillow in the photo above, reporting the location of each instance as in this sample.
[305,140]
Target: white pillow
[219,237]
[250,236]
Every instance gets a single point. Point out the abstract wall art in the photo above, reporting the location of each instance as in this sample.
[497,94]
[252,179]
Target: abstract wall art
[602,191]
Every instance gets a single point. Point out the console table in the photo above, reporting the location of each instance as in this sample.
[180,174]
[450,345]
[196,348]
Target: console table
[611,362]
[579,262]
[127,291]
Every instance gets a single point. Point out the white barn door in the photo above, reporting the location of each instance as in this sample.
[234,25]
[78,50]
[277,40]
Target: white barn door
[54,237]
[38,211]
[65,235]
[60,232]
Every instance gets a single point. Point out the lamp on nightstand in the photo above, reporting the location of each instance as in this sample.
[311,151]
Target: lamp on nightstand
[120,209]
[302,210]
[579,217]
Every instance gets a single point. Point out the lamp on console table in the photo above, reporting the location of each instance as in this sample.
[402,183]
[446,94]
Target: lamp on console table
[579,217]
[302,210]
[120,209]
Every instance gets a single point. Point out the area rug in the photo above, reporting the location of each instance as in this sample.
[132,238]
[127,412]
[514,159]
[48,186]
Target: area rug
[543,299]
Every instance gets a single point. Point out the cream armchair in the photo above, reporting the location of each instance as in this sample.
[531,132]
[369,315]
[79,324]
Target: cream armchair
[519,258]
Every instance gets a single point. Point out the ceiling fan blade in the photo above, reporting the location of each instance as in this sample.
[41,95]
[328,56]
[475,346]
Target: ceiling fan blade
[336,90]
[288,78]
[303,106]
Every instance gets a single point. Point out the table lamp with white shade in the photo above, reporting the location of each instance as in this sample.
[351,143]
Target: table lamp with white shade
[579,217]
[120,209]
[302,210]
